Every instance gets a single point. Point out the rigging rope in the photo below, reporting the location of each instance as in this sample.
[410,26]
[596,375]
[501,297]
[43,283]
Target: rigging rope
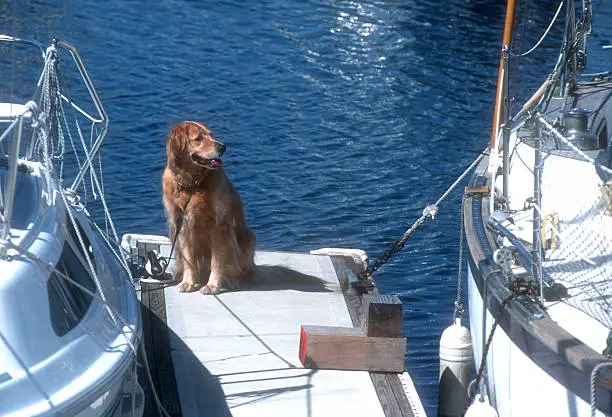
[544,35]
[50,127]
[428,213]
[594,378]
[519,287]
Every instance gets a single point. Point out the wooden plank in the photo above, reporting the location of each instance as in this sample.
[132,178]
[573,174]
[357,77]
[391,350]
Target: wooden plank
[383,315]
[563,343]
[348,348]
[477,190]
[342,265]
[393,401]
[150,408]
[389,388]
[160,360]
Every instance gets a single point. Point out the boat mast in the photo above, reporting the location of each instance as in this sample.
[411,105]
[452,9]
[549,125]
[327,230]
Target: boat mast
[501,113]
[502,86]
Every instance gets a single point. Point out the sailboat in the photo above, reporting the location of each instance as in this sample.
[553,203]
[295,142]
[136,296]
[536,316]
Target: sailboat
[538,223]
[69,315]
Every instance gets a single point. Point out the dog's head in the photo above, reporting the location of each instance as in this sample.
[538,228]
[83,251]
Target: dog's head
[190,145]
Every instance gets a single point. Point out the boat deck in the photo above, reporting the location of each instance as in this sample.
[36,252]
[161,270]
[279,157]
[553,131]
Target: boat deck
[236,353]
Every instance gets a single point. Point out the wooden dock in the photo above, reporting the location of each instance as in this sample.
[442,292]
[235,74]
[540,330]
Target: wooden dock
[237,353]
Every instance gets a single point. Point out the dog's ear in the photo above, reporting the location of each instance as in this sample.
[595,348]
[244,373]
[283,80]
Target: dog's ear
[176,144]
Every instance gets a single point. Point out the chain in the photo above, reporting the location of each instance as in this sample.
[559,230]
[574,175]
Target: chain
[458,303]
[428,213]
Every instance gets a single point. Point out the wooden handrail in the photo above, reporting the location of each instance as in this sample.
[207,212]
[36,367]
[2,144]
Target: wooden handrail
[535,98]
[499,96]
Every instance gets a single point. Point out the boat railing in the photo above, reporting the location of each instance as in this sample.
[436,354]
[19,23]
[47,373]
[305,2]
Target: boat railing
[572,206]
[52,115]
[560,82]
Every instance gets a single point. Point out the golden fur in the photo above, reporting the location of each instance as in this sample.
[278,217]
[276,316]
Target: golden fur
[214,245]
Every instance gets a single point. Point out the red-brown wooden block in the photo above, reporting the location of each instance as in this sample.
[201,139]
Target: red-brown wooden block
[348,348]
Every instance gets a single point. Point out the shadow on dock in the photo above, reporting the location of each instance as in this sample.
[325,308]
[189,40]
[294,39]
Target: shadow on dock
[205,390]
[211,399]
[276,277]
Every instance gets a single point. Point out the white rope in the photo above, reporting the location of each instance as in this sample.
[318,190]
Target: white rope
[559,136]
[545,33]
[54,182]
[96,186]
[432,210]
[114,314]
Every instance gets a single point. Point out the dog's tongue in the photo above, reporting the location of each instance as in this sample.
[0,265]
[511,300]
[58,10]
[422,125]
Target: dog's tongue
[216,162]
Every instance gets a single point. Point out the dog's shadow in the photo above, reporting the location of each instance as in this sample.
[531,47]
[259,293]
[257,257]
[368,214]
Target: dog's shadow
[276,277]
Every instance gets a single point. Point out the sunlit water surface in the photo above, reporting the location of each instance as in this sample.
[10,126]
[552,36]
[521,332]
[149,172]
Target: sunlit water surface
[343,119]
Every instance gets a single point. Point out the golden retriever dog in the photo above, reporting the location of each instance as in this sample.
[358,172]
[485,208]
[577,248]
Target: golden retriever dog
[214,246]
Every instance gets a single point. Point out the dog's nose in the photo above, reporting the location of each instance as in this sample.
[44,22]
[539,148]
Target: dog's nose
[220,148]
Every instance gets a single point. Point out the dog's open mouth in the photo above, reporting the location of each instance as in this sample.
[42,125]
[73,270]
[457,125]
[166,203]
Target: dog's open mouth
[212,163]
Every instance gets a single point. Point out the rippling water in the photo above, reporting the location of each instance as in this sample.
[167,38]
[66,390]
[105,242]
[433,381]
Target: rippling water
[343,119]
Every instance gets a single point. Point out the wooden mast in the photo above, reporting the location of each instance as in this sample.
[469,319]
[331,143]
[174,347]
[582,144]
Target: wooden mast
[499,96]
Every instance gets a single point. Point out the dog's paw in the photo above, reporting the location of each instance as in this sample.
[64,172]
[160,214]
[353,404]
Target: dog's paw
[210,289]
[187,287]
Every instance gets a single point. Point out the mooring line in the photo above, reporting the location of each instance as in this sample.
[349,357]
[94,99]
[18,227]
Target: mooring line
[428,213]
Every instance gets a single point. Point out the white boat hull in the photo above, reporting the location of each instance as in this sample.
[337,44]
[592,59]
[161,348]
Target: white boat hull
[517,386]
[51,361]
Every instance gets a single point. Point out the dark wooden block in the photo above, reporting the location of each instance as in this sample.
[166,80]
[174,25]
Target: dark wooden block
[348,348]
[383,315]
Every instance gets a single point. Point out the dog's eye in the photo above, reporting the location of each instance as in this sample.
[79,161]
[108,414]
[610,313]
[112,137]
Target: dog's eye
[198,138]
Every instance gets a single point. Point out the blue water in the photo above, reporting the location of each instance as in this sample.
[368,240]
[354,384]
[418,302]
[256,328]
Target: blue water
[343,119]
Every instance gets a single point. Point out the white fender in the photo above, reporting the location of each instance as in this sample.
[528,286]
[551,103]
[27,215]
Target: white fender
[481,408]
[455,370]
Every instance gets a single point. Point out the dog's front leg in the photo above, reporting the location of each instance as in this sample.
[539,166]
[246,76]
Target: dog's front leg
[190,281]
[218,262]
